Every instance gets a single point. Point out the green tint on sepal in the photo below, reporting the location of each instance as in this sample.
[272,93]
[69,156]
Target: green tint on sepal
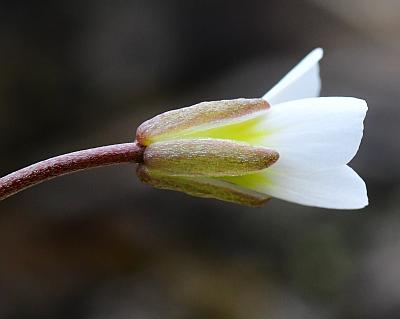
[202,116]
[202,187]
[207,157]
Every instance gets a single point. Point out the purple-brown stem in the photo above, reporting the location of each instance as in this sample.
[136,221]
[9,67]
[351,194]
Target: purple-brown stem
[69,163]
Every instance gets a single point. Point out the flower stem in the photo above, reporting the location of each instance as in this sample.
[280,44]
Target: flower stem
[69,163]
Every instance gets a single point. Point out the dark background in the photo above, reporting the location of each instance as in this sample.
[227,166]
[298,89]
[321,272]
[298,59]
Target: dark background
[101,245]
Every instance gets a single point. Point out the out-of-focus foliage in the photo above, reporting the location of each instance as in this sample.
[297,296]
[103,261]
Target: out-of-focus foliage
[101,245]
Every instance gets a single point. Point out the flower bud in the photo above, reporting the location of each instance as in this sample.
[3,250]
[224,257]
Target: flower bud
[202,187]
[205,115]
[207,157]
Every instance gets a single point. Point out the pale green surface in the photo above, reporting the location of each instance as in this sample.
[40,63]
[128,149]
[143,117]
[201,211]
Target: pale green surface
[251,181]
[249,131]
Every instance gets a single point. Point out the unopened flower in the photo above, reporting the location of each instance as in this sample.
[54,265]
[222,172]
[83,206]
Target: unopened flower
[290,145]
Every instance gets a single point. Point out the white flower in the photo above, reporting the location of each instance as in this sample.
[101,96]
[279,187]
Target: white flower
[315,138]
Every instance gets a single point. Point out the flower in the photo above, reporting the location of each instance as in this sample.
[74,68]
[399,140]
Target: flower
[291,145]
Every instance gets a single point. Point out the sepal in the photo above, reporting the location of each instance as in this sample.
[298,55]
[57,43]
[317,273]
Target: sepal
[202,187]
[207,157]
[205,115]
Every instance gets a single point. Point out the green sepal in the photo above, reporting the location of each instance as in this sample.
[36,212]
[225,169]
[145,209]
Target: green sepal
[206,115]
[207,157]
[205,187]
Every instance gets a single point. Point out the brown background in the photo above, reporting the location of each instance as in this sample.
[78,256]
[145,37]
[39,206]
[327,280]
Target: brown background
[101,245]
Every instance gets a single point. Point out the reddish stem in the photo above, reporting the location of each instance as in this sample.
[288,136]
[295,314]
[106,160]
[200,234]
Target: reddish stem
[69,163]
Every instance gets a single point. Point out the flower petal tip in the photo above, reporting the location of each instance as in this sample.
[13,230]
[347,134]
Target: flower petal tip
[318,53]
[302,81]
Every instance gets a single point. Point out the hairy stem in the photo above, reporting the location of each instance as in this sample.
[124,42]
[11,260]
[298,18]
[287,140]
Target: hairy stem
[69,163]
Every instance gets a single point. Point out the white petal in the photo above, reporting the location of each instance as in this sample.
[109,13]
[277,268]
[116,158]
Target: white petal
[316,133]
[339,188]
[302,81]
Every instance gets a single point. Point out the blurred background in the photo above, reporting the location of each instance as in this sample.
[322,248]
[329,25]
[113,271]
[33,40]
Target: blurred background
[99,245]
